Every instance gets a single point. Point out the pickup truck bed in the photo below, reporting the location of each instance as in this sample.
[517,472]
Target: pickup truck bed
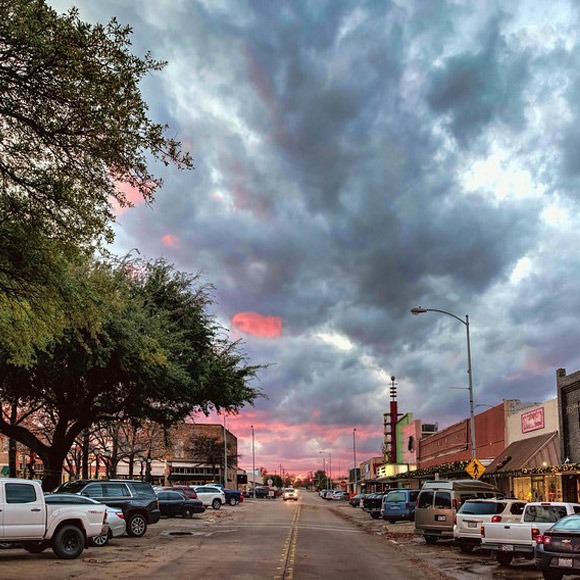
[512,539]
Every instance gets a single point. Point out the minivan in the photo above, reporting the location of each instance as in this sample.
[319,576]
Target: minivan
[439,501]
[399,504]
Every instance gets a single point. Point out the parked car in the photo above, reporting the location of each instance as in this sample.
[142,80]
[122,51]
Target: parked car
[340,496]
[261,492]
[62,527]
[290,493]
[556,553]
[137,499]
[356,500]
[372,504]
[322,493]
[439,501]
[210,495]
[174,503]
[115,518]
[399,504]
[233,496]
[475,512]
[186,490]
[518,539]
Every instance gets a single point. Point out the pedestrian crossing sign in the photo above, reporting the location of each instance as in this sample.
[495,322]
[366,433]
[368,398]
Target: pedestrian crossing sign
[475,468]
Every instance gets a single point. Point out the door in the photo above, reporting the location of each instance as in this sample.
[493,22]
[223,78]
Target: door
[23,511]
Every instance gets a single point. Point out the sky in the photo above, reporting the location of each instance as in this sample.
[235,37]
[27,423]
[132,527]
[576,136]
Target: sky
[353,160]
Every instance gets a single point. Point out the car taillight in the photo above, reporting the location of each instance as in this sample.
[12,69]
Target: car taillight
[535,533]
[105,516]
[455,520]
[495,519]
[454,503]
[120,515]
[241,497]
[482,531]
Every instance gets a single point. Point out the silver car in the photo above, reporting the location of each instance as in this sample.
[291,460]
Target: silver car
[115,517]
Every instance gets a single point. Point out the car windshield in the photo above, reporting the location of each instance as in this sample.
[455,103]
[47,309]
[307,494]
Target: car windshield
[569,523]
[395,496]
[482,507]
[71,487]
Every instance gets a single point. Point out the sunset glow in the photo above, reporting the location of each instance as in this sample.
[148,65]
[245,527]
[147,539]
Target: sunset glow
[258,325]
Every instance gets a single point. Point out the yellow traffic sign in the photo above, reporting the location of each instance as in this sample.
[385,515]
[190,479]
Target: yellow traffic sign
[475,468]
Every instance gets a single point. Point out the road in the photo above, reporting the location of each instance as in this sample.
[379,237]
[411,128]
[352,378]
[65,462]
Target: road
[268,540]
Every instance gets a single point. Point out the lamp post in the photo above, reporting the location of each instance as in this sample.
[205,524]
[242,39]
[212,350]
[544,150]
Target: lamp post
[253,461]
[419,310]
[354,475]
[225,455]
[329,467]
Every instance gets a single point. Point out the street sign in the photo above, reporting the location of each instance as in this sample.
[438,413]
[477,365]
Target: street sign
[343,484]
[475,468]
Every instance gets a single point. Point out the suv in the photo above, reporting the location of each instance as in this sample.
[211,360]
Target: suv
[399,504]
[475,512]
[137,499]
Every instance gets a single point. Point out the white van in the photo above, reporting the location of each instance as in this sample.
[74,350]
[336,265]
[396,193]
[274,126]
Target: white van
[439,501]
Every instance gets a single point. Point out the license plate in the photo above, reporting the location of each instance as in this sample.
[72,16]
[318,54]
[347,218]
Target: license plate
[565,562]
[472,524]
[507,548]
[440,518]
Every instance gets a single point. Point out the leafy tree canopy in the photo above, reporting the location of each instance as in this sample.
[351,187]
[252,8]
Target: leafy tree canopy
[156,355]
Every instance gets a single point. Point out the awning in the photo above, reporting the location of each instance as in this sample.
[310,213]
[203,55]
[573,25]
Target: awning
[528,454]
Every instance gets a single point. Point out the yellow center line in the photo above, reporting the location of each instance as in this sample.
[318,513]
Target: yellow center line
[286,569]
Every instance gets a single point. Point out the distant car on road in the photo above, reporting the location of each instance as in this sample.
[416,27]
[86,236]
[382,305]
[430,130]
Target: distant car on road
[399,504]
[340,496]
[356,500]
[290,493]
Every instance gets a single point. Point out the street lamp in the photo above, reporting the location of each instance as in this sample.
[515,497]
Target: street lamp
[354,476]
[329,466]
[253,461]
[419,310]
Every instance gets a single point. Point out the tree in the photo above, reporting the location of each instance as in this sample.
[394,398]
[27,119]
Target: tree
[156,355]
[74,135]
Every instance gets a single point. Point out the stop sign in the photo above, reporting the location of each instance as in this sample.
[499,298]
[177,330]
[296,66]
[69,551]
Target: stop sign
[343,484]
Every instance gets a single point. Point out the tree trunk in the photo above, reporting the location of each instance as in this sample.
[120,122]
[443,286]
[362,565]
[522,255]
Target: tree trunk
[53,460]
[85,454]
[12,456]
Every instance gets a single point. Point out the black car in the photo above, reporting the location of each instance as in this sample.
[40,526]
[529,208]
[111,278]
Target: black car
[174,503]
[556,550]
[261,492]
[372,504]
[137,499]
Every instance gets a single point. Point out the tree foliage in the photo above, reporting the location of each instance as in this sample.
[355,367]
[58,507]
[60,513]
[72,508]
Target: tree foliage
[74,135]
[156,355]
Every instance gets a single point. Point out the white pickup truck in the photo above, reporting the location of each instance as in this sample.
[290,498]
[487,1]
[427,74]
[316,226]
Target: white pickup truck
[511,539]
[26,520]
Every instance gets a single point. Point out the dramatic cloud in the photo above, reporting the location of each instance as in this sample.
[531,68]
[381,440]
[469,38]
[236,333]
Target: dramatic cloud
[355,159]
[258,325]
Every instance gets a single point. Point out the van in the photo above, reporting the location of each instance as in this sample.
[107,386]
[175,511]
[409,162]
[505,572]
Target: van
[439,501]
[399,504]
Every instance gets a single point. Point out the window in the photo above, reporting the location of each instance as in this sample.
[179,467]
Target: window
[116,490]
[93,490]
[482,508]
[20,493]
[442,500]
[395,496]
[425,499]
[517,508]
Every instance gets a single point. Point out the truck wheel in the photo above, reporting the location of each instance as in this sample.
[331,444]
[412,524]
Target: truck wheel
[68,542]
[187,512]
[99,541]
[216,504]
[375,515]
[233,501]
[430,540]
[35,547]
[504,559]
[137,526]
[466,548]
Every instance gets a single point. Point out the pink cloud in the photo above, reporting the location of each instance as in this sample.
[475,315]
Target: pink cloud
[132,195]
[170,241]
[258,325]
